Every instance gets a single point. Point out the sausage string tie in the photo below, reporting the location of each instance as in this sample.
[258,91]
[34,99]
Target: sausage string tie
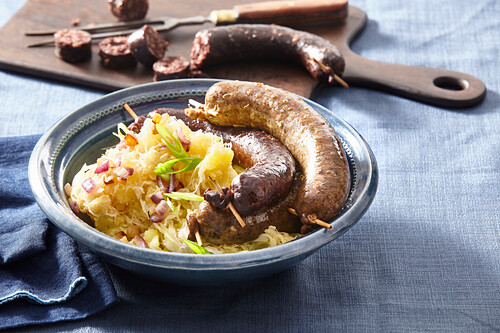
[328,70]
[230,205]
[313,220]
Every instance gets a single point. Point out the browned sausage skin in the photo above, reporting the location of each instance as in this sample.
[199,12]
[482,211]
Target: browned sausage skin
[263,41]
[271,167]
[219,226]
[307,135]
[129,10]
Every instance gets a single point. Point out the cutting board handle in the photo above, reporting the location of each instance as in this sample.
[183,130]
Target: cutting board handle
[429,85]
[434,86]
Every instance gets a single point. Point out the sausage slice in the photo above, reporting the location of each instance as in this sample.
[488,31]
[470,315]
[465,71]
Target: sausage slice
[72,45]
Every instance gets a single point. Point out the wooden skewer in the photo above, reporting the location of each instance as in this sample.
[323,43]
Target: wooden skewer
[194,103]
[314,220]
[328,70]
[198,238]
[130,111]
[230,205]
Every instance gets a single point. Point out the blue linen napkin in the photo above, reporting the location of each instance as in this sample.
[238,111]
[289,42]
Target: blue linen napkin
[45,275]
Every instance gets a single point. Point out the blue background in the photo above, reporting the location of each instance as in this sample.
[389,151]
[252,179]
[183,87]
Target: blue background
[426,255]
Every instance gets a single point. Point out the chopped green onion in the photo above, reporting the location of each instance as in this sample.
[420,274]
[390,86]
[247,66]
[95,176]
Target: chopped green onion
[198,249]
[171,205]
[166,168]
[177,150]
[165,176]
[121,130]
[183,196]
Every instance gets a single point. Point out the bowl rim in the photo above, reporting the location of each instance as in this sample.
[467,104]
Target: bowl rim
[61,216]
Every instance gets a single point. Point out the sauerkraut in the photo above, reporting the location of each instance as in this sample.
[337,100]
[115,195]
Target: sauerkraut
[116,191]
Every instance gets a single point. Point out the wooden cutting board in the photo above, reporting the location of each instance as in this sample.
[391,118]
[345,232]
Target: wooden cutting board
[433,86]
[55,14]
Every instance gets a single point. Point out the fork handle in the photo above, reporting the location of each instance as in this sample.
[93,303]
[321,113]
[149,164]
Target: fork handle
[283,12]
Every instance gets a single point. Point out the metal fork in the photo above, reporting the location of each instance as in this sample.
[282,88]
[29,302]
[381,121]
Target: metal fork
[279,12]
[164,24]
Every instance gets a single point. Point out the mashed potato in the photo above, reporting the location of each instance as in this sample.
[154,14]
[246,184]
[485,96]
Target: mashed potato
[119,199]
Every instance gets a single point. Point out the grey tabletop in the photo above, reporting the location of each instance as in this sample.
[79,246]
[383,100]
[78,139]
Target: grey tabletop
[426,255]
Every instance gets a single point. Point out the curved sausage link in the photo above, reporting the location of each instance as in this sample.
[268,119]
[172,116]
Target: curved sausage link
[271,167]
[307,135]
[263,41]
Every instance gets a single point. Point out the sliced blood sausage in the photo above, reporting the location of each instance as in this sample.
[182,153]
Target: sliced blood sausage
[271,167]
[115,53]
[147,46]
[309,137]
[72,45]
[129,10]
[262,41]
[171,68]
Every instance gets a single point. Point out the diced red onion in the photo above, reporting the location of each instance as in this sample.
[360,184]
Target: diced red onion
[89,185]
[103,167]
[124,172]
[162,184]
[118,160]
[183,139]
[160,212]
[139,241]
[173,181]
[74,206]
[162,208]
[157,197]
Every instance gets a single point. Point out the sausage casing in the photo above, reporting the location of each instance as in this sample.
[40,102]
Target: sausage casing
[308,136]
[221,227]
[263,41]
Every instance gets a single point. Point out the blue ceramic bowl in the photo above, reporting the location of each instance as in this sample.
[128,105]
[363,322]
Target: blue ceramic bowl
[79,138]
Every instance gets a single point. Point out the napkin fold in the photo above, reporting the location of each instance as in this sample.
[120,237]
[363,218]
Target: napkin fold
[45,275]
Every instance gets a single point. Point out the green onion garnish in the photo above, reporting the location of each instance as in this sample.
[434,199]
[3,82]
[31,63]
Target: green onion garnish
[121,130]
[166,168]
[177,150]
[171,205]
[183,196]
[196,248]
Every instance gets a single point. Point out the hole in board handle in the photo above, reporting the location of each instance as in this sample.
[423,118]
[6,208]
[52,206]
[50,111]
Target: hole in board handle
[451,83]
